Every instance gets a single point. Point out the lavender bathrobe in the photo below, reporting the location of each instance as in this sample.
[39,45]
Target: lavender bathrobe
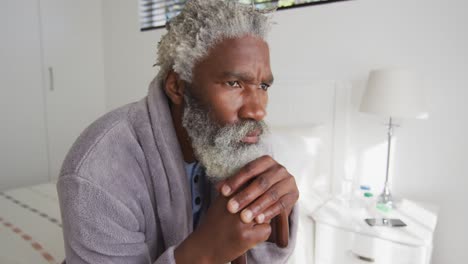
[124,196]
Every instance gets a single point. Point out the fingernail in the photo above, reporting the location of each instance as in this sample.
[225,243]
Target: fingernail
[226,190]
[260,218]
[247,215]
[233,206]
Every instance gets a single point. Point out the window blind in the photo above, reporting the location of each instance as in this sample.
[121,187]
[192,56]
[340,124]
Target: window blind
[156,13]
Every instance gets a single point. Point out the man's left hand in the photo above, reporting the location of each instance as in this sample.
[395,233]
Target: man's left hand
[269,190]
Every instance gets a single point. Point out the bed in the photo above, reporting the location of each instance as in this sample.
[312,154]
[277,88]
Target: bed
[30,225]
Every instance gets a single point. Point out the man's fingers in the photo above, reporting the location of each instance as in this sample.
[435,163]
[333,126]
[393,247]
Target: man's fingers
[259,233]
[248,172]
[219,185]
[270,197]
[285,203]
[255,189]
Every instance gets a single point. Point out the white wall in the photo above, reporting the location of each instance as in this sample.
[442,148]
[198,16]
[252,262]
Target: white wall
[343,41]
[129,54]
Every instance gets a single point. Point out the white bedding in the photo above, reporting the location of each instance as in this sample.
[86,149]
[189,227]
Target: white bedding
[30,226]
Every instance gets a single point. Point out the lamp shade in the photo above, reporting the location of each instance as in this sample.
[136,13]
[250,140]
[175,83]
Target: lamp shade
[394,93]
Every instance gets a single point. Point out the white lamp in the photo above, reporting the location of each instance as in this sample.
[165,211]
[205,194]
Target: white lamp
[393,93]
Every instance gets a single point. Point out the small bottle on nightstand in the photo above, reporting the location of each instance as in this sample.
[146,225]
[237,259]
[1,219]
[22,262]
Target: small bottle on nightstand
[371,205]
[361,198]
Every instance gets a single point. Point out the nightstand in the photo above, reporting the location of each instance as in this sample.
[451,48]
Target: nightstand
[343,237]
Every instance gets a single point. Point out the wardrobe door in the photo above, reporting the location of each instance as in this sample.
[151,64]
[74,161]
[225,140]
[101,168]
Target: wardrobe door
[23,148]
[74,70]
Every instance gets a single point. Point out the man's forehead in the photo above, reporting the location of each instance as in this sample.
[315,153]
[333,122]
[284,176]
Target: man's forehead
[238,56]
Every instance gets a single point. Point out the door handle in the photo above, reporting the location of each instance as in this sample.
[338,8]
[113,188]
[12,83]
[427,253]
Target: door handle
[51,79]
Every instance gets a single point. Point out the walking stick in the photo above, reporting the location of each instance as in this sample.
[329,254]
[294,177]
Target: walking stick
[281,225]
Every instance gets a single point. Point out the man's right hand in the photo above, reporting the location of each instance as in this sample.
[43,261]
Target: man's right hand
[221,237]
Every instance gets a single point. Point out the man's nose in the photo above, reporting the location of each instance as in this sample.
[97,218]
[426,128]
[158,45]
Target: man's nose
[254,105]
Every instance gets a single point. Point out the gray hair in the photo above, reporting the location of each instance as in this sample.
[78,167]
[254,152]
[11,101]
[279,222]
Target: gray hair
[202,24]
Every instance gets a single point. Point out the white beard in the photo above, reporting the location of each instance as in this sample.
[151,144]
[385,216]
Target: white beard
[219,149]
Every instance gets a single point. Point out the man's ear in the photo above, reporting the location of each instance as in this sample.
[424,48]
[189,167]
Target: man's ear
[174,88]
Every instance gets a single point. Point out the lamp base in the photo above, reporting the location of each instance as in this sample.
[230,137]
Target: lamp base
[386,198]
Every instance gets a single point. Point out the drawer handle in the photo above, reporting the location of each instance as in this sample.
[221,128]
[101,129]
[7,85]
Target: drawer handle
[363,258]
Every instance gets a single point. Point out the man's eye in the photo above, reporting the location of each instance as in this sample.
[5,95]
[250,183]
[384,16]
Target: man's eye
[233,83]
[264,86]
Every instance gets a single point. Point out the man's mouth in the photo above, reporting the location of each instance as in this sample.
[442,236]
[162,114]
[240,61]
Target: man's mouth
[252,137]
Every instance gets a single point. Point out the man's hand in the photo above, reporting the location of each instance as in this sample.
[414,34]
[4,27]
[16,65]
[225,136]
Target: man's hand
[221,237]
[269,190]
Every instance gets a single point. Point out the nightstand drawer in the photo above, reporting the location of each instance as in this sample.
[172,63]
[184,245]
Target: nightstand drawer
[338,246]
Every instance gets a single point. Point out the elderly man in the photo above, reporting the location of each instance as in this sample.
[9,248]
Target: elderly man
[141,184]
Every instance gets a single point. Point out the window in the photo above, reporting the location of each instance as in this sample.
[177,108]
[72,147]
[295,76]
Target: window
[155,13]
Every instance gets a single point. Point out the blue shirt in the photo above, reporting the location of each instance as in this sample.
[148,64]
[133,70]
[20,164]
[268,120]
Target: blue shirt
[196,178]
